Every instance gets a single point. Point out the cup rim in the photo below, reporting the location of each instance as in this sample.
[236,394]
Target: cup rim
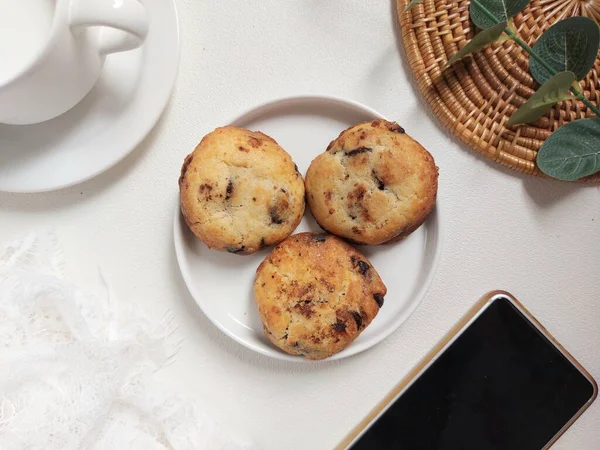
[41,52]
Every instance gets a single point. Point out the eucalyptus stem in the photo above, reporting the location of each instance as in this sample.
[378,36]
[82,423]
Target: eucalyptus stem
[535,56]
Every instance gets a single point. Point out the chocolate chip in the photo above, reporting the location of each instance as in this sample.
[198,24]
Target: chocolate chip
[275,218]
[363,267]
[320,237]
[229,190]
[295,167]
[353,260]
[283,190]
[263,244]
[254,142]
[339,326]
[357,319]
[236,249]
[375,123]
[352,216]
[360,193]
[379,299]
[380,184]
[305,308]
[393,126]
[358,151]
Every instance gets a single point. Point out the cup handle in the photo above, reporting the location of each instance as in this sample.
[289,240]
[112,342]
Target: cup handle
[127,21]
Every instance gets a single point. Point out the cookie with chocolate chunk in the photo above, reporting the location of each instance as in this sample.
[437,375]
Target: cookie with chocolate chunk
[373,184]
[315,294]
[240,191]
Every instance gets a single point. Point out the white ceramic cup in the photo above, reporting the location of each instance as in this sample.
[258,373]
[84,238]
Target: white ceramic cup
[52,52]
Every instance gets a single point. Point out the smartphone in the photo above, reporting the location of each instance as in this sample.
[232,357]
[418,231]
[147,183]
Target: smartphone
[497,381]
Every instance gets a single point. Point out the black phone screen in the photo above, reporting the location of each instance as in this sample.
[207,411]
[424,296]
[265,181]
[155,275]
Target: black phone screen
[500,385]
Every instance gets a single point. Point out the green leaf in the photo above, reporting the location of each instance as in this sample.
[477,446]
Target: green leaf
[551,92]
[501,10]
[479,41]
[572,151]
[411,4]
[571,44]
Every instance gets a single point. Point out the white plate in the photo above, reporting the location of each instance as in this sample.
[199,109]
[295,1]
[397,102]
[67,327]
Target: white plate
[108,124]
[222,283]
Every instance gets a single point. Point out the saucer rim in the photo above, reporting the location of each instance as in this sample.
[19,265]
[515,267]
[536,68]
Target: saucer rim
[135,143]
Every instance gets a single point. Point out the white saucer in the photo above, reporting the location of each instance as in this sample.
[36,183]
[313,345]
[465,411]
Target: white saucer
[109,123]
[221,283]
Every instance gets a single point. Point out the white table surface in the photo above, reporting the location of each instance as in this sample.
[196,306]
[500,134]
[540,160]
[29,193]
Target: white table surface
[538,239]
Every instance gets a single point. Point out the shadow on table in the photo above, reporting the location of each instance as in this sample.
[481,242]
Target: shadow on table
[547,192]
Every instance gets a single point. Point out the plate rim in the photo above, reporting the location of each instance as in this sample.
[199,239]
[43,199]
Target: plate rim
[134,142]
[353,348]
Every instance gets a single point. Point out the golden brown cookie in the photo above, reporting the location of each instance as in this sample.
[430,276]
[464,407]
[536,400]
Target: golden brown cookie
[374,184]
[240,191]
[315,294]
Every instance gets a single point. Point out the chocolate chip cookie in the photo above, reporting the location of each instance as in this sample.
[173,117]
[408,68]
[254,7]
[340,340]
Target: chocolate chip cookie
[315,294]
[240,191]
[373,184]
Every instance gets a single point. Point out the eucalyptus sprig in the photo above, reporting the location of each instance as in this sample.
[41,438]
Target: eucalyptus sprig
[562,56]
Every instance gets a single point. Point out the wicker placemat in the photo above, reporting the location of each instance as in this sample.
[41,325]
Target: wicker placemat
[475,97]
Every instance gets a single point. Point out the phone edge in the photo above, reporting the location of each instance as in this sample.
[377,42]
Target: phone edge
[567,355]
[487,298]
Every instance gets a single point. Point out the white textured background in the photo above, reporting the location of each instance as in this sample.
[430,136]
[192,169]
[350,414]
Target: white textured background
[538,239]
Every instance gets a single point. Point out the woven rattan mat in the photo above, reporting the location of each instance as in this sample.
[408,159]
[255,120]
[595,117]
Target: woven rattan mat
[475,97]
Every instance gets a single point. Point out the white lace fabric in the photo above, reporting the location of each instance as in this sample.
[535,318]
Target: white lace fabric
[76,369]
